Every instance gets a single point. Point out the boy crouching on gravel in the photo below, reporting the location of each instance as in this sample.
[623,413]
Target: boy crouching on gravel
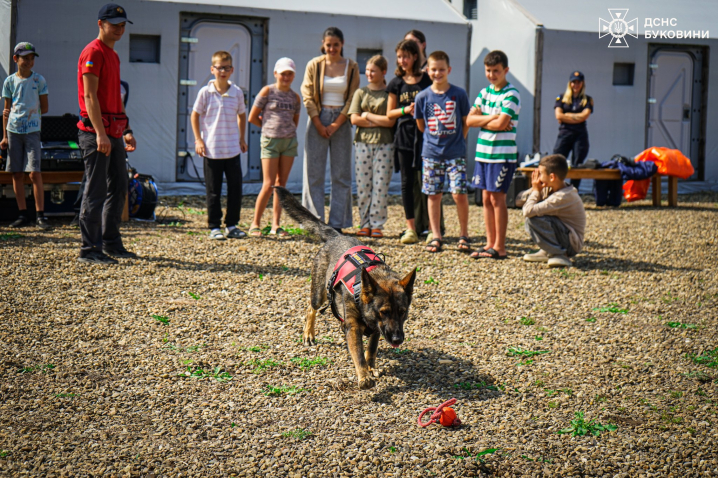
[555,217]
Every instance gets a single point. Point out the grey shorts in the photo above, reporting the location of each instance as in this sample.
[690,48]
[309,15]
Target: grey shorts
[24,151]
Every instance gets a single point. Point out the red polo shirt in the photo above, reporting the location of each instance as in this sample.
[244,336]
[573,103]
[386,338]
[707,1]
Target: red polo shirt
[102,61]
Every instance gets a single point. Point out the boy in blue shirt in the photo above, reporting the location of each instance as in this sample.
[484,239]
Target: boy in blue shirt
[25,95]
[440,113]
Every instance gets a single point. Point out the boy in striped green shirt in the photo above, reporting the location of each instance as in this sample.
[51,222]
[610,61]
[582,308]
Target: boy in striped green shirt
[496,112]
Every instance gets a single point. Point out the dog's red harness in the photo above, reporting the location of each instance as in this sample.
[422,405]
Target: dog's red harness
[347,271]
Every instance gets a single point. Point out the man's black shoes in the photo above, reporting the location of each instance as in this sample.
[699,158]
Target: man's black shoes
[120,252]
[97,258]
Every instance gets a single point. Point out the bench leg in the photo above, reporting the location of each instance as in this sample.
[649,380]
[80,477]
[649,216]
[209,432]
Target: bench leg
[126,210]
[656,187]
[672,191]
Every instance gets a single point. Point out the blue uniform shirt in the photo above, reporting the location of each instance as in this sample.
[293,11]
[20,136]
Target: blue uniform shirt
[574,107]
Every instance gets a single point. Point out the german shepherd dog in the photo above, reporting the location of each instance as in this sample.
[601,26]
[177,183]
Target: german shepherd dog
[383,304]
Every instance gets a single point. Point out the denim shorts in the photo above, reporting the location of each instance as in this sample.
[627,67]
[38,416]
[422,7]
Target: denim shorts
[434,172]
[24,152]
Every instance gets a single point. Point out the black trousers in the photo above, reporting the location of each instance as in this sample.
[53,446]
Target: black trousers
[213,171]
[415,202]
[576,143]
[103,197]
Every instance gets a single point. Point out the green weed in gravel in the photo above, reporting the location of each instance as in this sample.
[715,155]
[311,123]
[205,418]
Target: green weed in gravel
[194,296]
[478,457]
[271,391]
[709,358]
[580,427]
[307,363]
[298,434]
[255,348]
[519,352]
[4,453]
[679,325]
[431,280]
[5,236]
[260,366]
[612,308]
[37,368]
[161,318]
[65,395]
[527,321]
[215,373]
[591,319]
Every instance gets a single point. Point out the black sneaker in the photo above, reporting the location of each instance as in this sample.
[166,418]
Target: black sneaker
[43,223]
[120,252]
[97,258]
[75,221]
[21,221]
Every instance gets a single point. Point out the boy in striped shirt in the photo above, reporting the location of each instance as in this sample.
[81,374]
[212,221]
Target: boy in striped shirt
[496,112]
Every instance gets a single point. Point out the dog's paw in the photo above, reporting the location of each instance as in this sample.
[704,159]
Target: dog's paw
[309,341]
[367,383]
[373,372]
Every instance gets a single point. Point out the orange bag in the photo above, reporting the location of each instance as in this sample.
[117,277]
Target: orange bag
[670,162]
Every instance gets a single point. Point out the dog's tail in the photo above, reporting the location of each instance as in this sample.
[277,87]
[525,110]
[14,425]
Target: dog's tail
[302,215]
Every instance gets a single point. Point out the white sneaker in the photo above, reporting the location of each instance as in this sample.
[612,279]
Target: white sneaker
[216,234]
[539,256]
[559,261]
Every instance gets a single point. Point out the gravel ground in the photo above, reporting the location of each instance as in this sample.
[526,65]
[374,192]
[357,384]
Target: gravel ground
[188,361]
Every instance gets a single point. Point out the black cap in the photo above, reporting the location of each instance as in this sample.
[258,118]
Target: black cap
[24,48]
[113,13]
[576,76]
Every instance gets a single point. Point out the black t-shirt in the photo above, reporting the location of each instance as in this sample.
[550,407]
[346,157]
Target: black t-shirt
[405,94]
[574,107]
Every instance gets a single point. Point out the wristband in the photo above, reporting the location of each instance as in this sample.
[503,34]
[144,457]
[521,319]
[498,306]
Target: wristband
[127,131]
[402,111]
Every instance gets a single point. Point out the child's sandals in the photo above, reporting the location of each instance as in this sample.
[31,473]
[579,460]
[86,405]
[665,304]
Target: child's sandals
[434,246]
[255,232]
[364,232]
[377,233]
[279,232]
[464,244]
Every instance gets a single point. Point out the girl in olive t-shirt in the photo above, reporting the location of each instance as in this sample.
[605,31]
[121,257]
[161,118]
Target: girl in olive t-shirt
[373,148]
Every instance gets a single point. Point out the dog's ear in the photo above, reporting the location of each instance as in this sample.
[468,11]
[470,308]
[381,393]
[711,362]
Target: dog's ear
[368,286]
[408,282]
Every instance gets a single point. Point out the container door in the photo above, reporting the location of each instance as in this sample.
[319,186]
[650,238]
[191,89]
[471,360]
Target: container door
[201,37]
[673,107]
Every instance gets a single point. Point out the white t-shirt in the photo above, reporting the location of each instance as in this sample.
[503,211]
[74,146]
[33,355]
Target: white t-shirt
[218,120]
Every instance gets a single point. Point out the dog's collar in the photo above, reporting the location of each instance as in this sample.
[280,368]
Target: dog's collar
[347,271]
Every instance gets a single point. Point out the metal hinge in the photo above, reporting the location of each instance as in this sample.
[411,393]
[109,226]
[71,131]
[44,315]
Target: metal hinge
[189,40]
[188,82]
[652,101]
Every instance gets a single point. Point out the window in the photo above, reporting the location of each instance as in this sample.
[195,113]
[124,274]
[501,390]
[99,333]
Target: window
[470,8]
[144,48]
[623,74]
[363,56]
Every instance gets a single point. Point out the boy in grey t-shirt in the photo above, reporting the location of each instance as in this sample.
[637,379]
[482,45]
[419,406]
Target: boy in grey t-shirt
[25,95]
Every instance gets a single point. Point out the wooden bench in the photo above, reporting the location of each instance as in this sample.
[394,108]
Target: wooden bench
[59,177]
[612,174]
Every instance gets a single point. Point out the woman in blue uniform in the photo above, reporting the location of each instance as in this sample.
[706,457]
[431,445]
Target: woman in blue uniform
[572,110]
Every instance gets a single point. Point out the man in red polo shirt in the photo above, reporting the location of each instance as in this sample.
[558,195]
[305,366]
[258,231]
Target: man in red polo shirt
[104,137]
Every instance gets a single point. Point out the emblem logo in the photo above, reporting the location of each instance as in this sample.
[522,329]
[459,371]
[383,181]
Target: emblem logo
[618,28]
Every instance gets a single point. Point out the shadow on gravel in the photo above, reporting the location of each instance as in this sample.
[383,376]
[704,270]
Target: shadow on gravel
[597,262]
[432,371]
[225,266]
